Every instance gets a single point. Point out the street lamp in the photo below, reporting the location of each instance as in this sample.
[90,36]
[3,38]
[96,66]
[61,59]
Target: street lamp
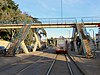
[93,32]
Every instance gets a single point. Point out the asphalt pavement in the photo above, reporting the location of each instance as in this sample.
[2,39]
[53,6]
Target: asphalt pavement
[89,66]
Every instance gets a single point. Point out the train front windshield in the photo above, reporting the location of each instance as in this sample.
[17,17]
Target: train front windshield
[61,44]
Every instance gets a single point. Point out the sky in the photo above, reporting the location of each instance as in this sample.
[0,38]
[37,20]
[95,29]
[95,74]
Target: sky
[66,9]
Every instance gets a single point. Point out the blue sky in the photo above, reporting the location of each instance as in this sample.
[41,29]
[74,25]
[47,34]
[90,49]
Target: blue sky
[52,9]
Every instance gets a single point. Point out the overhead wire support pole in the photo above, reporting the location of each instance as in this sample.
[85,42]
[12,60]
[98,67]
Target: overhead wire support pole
[61,11]
[61,8]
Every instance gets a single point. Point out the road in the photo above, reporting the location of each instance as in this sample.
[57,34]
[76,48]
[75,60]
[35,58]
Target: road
[39,64]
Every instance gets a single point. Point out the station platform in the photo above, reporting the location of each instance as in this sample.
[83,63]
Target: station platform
[88,66]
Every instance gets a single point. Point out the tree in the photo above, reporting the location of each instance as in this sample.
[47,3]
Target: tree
[10,13]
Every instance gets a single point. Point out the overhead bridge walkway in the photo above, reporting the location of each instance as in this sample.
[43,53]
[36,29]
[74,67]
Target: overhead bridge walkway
[78,27]
[53,23]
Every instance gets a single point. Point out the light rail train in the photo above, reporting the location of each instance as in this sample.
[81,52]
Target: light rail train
[62,45]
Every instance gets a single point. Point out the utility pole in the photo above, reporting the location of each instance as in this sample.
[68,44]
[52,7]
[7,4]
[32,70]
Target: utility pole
[61,8]
[61,13]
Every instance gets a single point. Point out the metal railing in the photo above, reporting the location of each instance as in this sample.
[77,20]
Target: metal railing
[71,20]
[57,20]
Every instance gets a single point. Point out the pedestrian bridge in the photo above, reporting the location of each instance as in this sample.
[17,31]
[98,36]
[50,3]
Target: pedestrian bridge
[54,23]
[79,27]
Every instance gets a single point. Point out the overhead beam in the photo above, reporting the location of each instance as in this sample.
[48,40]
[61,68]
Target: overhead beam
[40,25]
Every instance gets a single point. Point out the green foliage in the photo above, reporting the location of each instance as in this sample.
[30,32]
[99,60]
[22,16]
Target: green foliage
[4,35]
[10,13]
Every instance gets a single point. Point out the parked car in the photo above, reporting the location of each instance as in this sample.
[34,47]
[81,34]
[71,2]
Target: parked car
[19,50]
[2,50]
[30,48]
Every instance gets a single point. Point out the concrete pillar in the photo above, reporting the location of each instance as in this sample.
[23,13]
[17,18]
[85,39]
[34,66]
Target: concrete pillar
[37,39]
[23,46]
[35,47]
[37,43]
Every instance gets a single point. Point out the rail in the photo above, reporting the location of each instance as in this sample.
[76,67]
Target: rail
[51,66]
[73,67]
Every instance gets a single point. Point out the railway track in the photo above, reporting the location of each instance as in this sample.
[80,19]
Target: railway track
[73,67]
[65,66]
[46,63]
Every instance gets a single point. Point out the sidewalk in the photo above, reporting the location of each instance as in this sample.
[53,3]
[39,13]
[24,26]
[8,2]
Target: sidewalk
[88,66]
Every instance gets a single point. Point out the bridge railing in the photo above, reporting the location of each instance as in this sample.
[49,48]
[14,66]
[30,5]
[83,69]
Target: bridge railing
[90,19]
[69,20]
[57,20]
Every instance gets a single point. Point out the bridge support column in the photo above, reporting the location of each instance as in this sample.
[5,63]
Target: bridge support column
[24,47]
[35,47]
[37,40]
